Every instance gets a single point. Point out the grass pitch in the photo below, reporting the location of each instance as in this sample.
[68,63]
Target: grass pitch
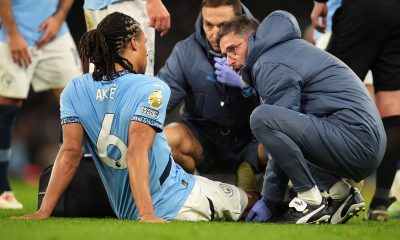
[110,229]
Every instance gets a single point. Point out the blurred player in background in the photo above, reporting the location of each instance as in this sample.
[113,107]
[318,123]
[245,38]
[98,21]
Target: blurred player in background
[321,39]
[119,114]
[35,48]
[151,14]
[366,36]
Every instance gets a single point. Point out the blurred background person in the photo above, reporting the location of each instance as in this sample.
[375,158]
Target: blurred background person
[151,14]
[321,40]
[366,35]
[40,52]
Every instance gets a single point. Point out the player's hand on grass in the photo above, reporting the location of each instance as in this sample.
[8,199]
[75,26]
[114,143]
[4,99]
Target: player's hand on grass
[159,16]
[36,215]
[19,50]
[51,27]
[259,212]
[152,219]
[225,74]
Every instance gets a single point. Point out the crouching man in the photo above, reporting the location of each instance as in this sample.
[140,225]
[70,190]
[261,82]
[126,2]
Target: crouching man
[316,120]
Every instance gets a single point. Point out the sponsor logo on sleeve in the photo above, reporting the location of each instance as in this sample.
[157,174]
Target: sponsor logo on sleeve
[68,120]
[150,112]
[148,121]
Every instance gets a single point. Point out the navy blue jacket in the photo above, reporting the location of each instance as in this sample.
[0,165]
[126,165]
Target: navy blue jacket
[289,72]
[189,72]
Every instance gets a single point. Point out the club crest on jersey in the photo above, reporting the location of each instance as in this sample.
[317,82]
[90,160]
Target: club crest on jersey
[226,189]
[155,99]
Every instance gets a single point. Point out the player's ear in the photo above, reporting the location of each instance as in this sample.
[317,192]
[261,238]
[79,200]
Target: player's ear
[133,44]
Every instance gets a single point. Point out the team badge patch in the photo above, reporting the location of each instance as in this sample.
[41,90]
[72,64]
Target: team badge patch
[155,99]
[150,112]
[226,189]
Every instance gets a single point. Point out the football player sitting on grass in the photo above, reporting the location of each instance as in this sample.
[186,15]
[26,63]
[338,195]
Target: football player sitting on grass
[118,113]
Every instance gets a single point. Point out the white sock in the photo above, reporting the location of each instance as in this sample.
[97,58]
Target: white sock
[339,189]
[311,196]
[324,194]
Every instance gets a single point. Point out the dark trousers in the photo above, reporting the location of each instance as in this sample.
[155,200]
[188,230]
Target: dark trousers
[366,36]
[313,151]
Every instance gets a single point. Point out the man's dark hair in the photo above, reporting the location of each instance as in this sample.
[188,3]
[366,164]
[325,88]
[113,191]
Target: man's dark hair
[237,7]
[241,25]
[103,45]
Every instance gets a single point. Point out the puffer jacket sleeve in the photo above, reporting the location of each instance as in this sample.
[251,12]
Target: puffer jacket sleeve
[278,85]
[172,74]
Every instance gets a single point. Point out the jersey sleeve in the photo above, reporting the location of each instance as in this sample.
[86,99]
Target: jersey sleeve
[152,107]
[67,111]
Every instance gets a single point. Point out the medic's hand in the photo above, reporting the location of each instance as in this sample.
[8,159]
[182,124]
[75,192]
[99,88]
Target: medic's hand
[259,212]
[225,74]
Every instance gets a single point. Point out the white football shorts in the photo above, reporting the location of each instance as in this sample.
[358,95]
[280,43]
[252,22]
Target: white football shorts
[52,67]
[212,200]
[135,9]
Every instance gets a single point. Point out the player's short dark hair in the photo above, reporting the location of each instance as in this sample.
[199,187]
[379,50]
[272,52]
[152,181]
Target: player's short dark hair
[236,5]
[240,25]
[103,45]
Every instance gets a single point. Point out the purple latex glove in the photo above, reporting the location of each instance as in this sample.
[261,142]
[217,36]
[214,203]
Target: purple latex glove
[259,212]
[225,74]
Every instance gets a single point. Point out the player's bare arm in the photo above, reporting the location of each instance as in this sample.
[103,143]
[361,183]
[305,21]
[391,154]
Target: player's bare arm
[17,44]
[52,25]
[65,166]
[159,16]
[141,137]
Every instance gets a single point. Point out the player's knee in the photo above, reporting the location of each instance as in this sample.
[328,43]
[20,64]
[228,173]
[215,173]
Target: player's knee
[186,162]
[175,134]
[184,146]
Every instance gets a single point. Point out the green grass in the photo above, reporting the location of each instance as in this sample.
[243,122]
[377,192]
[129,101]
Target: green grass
[96,229]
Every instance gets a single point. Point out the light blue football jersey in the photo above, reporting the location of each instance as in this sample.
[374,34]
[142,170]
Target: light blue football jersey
[99,4]
[28,15]
[105,109]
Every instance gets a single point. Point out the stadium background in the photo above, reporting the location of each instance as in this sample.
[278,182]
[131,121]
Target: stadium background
[36,134]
